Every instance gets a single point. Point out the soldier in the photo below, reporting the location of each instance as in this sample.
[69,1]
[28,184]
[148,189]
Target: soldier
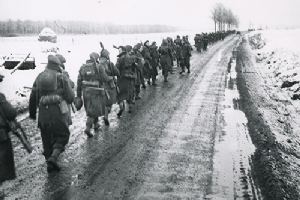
[186,54]
[63,68]
[90,84]
[7,164]
[51,92]
[165,59]
[172,48]
[147,66]
[178,41]
[111,86]
[178,45]
[198,43]
[126,65]
[154,62]
[137,49]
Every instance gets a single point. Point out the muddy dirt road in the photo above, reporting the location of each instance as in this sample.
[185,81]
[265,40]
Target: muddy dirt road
[180,142]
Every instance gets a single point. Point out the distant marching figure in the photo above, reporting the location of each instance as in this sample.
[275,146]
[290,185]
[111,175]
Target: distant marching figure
[165,59]
[90,84]
[154,61]
[178,45]
[110,86]
[186,55]
[137,49]
[126,64]
[147,66]
[51,92]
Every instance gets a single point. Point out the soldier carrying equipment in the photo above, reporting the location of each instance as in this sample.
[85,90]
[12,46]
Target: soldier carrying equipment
[51,92]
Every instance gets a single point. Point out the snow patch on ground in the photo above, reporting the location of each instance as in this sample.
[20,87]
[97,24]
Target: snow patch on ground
[279,59]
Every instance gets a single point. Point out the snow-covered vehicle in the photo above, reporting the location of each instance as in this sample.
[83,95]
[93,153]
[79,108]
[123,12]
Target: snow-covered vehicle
[48,34]
[11,61]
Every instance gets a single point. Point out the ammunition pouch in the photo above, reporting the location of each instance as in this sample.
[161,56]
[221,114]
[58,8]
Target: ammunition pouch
[55,100]
[50,99]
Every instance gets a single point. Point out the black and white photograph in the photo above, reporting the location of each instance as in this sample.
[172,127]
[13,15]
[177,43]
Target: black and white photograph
[149,100]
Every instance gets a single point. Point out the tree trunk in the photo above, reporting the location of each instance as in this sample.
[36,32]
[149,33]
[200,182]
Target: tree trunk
[215,26]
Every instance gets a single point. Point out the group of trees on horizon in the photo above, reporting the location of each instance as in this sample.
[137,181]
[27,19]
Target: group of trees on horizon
[224,19]
[29,27]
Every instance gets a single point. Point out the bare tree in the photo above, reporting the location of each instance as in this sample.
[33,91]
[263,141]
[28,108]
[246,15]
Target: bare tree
[214,17]
[223,17]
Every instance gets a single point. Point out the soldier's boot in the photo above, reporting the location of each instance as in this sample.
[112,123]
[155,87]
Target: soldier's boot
[96,124]
[137,92]
[122,107]
[130,107]
[89,124]
[148,81]
[172,70]
[165,78]
[189,70]
[182,70]
[137,95]
[52,161]
[106,122]
[105,118]
[153,82]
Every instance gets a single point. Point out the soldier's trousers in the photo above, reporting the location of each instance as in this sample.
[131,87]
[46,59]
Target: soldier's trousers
[91,121]
[137,90]
[7,164]
[185,63]
[54,136]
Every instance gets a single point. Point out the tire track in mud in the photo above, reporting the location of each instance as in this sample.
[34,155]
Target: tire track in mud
[114,159]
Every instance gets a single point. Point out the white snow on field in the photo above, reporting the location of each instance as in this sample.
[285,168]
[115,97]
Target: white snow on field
[75,48]
[279,59]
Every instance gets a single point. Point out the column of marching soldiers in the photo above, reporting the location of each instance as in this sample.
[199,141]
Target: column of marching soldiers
[100,84]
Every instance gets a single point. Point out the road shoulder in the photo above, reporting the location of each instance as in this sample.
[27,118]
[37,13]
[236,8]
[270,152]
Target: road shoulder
[275,166]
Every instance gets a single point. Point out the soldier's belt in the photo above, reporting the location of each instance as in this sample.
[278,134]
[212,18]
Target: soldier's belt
[90,83]
[95,88]
[50,99]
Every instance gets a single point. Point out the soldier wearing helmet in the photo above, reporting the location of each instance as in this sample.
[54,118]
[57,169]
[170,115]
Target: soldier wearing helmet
[51,92]
[90,88]
[110,86]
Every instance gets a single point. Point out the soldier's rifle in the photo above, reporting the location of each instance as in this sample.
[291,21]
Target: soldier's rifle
[114,79]
[20,64]
[114,46]
[17,130]
[97,71]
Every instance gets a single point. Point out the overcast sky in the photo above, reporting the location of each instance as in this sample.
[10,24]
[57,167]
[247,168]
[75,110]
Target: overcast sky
[184,13]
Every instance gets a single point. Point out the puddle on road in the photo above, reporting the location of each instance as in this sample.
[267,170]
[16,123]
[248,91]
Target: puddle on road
[232,176]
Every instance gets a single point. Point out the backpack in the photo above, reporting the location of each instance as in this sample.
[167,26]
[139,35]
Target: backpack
[47,81]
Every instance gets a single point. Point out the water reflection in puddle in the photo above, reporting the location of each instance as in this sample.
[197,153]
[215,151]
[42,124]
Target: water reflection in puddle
[232,176]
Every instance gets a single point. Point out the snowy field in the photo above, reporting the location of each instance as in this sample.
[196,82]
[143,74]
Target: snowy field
[76,49]
[278,58]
